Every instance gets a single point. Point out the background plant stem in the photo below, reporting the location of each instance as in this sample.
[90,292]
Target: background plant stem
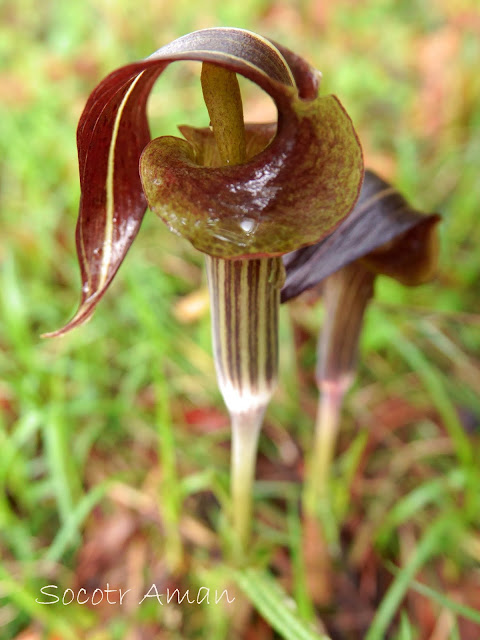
[326,431]
[346,294]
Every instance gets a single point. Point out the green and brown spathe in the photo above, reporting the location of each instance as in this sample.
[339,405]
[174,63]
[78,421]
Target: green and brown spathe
[291,194]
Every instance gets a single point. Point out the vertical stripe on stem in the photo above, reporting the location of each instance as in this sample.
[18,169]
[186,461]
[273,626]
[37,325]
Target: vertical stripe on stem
[245,298]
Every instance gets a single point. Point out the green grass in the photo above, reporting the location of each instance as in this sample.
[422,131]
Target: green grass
[100,431]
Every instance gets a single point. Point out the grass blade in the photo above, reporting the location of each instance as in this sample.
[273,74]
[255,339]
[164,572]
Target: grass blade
[67,533]
[389,605]
[275,606]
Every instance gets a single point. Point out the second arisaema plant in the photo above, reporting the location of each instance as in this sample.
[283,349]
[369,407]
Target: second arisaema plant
[383,235]
[243,195]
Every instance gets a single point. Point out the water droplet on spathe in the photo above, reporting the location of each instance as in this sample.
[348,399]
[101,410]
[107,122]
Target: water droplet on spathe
[247,224]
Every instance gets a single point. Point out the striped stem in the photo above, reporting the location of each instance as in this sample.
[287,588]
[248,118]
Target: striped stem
[346,295]
[245,298]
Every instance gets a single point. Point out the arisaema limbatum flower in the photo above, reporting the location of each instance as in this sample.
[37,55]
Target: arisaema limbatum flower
[382,236]
[242,195]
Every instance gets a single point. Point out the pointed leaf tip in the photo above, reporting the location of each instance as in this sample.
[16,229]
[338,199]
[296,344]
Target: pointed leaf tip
[83,314]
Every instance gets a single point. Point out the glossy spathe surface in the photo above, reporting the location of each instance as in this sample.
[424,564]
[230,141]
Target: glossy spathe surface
[113,132]
[290,195]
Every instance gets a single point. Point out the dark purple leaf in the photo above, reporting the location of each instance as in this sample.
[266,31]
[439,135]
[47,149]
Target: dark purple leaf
[383,229]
